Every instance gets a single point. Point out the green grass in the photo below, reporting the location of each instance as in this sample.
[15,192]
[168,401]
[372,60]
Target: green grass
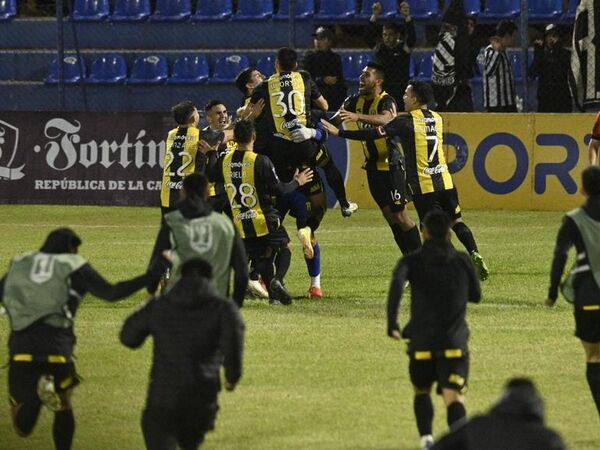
[318,374]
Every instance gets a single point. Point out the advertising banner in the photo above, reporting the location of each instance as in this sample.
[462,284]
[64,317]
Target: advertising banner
[82,158]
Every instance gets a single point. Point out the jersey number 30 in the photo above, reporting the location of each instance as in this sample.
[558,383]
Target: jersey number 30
[294,98]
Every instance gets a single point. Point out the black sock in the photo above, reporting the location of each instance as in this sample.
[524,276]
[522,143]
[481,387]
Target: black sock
[282,263]
[465,236]
[423,413]
[63,429]
[398,237]
[264,266]
[407,241]
[456,411]
[27,416]
[593,379]
[336,182]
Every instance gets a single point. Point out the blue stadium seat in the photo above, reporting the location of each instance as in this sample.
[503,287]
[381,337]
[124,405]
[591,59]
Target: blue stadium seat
[253,9]
[425,67]
[266,65]
[501,9]
[209,10]
[424,9]
[305,9]
[131,11]
[108,69]
[90,10]
[336,9]
[472,7]
[151,69]
[172,10]
[227,68]
[73,70]
[572,8]
[545,9]
[353,64]
[8,9]
[388,8]
[189,69]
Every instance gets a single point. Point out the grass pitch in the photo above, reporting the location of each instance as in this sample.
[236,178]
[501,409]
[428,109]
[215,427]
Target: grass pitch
[318,374]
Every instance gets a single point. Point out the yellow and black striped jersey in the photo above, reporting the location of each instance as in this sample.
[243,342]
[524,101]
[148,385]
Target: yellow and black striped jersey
[377,152]
[212,137]
[179,162]
[251,183]
[287,97]
[420,133]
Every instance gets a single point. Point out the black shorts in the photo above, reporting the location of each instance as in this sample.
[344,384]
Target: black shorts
[388,188]
[260,247]
[287,156]
[448,373]
[446,200]
[587,324]
[23,379]
[314,187]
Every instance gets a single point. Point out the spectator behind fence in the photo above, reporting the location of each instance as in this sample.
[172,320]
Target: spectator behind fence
[393,53]
[325,67]
[452,63]
[515,422]
[551,65]
[498,80]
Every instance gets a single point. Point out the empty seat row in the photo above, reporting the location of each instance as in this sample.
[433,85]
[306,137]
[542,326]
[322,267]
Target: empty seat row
[154,69]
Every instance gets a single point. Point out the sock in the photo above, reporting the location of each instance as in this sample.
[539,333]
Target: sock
[264,266]
[407,241]
[336,182]
[282,263]
[465,236]
[456,411]
[424,413]
[27,416]
[63,429]
[314,265]
[253,275]
[315,281]
[593,379]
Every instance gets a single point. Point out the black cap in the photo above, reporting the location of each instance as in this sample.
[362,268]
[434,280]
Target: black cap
[552,29]
[324,33]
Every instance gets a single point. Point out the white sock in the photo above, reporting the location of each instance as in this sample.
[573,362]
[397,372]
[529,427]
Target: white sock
[315,281]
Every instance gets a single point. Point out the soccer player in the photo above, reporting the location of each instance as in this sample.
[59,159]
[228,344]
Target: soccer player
[442,281]
[195,331]
[246,81]
[180,157]
[594,145]
[41,292]
[430,184]
[251,182]
[516,422]
[194,230]
[581,228]
[372,107]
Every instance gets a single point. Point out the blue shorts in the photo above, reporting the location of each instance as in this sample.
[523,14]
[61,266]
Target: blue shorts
[296,203]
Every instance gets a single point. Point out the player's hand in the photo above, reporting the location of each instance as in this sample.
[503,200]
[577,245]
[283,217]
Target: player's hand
[550,303]
[303,177]
[204,146]
[257,108]
[302,134]
[331,129]
[229,387]
[330,80]
[404,9]
[348,116]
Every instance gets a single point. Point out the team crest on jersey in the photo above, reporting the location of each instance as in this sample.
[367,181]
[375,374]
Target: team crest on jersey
[201,237]
[9,141]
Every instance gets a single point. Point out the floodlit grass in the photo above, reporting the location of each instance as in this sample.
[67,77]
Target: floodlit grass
[318,374]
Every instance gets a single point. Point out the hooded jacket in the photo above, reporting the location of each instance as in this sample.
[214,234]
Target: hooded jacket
[195,332]
[516,422]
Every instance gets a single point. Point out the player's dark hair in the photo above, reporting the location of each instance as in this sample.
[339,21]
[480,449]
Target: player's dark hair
[61,240]
[590,180]
[182,112]
[243,78]
[505,28]
[422,90]
[196,266]
[379,70]
[393,26]
[287,59]
[212,103]
[523,391]
[437,223]
[243,130]
[195,184]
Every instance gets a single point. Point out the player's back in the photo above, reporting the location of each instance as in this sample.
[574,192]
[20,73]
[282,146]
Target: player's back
[180,161]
